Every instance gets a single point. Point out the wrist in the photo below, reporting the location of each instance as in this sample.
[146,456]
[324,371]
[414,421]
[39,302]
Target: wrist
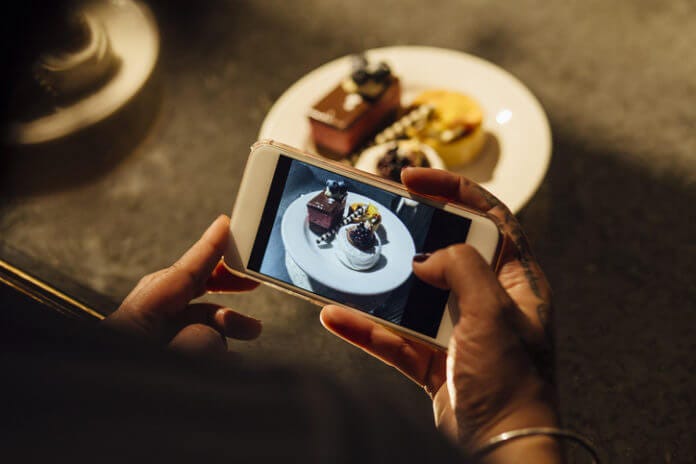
[532,414]
[536,409]
[537,449]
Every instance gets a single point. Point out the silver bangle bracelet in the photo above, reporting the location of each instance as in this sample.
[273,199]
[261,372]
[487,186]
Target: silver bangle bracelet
[506,437]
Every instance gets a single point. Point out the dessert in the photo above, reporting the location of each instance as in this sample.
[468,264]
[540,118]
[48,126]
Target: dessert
[414,119]
[359,246]
[362,236]
[389,159]
[325,210]
[361,212]
[399,156]
[357,212]
[355,109]
[453,129]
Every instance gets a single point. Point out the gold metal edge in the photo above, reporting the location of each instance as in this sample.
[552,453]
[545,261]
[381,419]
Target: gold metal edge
[43,286]
[38,298]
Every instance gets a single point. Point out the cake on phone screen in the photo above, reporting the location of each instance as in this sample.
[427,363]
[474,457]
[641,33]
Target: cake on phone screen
[353,243]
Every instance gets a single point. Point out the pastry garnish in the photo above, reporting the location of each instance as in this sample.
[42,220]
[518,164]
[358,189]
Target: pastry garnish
[412,121]
[357,213]
[366,79]
[361,212]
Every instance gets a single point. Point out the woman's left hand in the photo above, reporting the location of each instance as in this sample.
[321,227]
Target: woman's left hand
[160,308]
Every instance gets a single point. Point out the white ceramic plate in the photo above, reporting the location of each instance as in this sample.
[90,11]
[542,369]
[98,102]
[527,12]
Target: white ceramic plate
[518,150]
[321,263]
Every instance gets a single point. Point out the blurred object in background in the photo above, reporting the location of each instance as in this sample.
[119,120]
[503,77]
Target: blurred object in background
[82,92]
[79,61]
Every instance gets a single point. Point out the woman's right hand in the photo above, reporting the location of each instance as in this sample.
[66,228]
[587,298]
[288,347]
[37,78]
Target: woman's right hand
[491,380]
[492,384]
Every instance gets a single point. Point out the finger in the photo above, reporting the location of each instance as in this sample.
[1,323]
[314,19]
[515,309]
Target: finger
[449,186]
[200,260]
[469,194]
[463,270]
[413,359]
[519,273]
[167,292]
[479,294]
[199,339]
[147,280]
[222,280]
[225,320]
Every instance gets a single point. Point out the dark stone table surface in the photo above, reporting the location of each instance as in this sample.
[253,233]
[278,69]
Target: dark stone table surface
[613,224]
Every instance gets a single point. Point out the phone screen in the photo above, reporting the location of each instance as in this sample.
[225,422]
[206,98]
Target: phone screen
[353,243]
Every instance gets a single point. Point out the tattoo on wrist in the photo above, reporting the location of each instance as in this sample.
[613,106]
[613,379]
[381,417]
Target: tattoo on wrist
[545,358]
[543,311]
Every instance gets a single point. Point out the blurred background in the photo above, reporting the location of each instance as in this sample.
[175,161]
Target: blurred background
[155,161]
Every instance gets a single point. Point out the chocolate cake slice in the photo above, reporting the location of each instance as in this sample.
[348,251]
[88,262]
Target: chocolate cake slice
[356,109]
[325,210]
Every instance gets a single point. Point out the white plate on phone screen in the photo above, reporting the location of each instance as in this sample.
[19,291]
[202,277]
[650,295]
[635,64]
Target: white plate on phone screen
[321,264]
[517,153]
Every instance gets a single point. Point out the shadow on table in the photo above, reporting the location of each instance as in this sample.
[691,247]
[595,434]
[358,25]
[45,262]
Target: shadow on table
[617,242]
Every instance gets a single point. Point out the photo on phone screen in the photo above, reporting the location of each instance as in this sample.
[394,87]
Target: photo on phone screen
[353,243]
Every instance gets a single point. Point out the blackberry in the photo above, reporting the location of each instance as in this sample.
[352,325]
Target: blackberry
[391,164]
[361,237]
[382,72]
[360,76]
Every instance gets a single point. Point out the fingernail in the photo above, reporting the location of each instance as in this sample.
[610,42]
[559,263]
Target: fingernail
[235,315]
[240,326]
[421,257]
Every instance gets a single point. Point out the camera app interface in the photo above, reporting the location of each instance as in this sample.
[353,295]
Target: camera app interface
[353,243]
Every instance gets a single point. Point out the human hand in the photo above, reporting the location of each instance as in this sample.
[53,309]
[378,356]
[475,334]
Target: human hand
[518,272]
[487,383]
[159,307]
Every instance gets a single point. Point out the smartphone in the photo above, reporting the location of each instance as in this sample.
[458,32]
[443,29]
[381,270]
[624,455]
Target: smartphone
[332,234]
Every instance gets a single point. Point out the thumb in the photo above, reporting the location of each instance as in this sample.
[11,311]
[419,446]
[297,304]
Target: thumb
[489,373]
[463,270]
